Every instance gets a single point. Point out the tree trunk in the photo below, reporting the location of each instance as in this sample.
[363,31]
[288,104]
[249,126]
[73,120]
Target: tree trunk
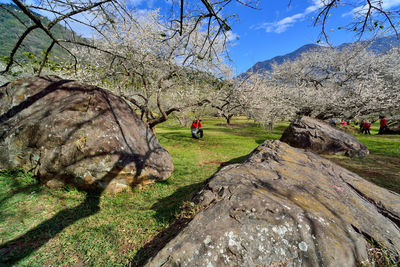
[228,119]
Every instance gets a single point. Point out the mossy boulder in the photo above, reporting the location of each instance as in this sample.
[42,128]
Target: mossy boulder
[322,138]
[69,132]
[393,128]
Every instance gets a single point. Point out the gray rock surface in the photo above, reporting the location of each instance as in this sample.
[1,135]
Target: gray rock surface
[284,206]
[393,129]
[69,132]
[320,137]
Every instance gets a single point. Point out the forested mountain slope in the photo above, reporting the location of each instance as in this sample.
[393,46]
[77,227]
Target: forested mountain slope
[12,27]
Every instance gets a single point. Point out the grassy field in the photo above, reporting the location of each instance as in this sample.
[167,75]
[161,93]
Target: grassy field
[39,226]
[382,166]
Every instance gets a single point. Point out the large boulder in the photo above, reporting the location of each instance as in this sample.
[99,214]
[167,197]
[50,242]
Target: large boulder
[393,129]
[320,137]
[285,206]
[69,132]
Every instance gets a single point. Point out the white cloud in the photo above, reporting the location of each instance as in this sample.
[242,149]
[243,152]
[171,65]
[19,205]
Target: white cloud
[285,23]
[386,5]
[316,4]
[231,36]
[282,25]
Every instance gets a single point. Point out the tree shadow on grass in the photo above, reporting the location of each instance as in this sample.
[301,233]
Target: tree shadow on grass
[17,249]
[168,209]
[232,161]
[21,247]
[177,136]
[260,141]
[17,187]
[279,128]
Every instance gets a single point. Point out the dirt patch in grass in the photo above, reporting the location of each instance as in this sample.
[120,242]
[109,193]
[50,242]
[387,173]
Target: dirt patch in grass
[223,163]
[213,162]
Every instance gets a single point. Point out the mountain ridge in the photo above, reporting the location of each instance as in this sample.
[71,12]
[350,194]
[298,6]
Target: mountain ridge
[379,45]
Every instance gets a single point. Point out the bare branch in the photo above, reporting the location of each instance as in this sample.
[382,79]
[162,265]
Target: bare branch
[46,55]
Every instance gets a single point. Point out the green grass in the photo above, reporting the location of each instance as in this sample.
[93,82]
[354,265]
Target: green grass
[382,166]
[39,226]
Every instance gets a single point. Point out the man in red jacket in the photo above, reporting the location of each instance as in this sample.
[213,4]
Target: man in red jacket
[383,124]
[196,130]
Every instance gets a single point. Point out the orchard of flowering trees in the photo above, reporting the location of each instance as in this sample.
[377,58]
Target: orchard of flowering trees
[368,15]
[169,63]
[329,83]
[152,67]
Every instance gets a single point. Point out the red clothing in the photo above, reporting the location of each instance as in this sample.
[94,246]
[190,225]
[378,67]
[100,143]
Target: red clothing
[343,123]
[196,124]
[367,125]
[383,122]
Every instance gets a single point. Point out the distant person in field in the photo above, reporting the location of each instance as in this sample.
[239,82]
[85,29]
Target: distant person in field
[383,124]
[332,122]
[270,126]
[362,126]
[197,132]
[344,123]
[367,127]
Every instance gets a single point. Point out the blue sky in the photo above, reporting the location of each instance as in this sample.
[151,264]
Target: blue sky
[276,28]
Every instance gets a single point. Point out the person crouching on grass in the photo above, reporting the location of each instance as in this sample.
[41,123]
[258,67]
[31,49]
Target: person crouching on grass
[196,130]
